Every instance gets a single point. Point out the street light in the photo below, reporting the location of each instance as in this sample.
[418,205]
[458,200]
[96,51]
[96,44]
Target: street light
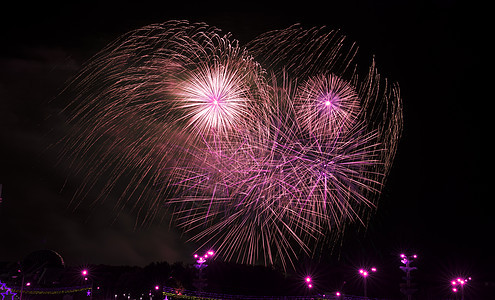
[200,265]
[85,274]
[365,273]
[309,282]
[459,283]
[408,288]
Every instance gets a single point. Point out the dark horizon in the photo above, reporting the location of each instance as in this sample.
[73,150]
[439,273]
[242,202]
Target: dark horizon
[435,202]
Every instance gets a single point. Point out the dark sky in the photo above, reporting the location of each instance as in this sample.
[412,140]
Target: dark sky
[436,202]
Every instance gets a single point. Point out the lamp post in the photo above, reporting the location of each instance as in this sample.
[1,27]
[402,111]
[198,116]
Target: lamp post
[407,288]
[200,265]
[309,282]
[459,283]
[85,274]
[365,273]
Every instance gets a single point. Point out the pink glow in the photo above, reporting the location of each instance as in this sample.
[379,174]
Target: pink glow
[308,279]
[361,271]
[28,284]
[337,294]
[373,269]
[453,282]
[211,253]
[454,290]
[310,285]
[195,256]
[415,256]
[327,103]
[84,272]
[402,255]
[157,287]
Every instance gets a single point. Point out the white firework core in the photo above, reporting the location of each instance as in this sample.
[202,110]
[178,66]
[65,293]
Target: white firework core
[213,98]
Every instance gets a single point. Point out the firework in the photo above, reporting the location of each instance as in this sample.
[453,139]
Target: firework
[260,152]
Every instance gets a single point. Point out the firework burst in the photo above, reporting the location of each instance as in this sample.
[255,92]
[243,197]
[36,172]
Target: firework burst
[327,105]
[261,151]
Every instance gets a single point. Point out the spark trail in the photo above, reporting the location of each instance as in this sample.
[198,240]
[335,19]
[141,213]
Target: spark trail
[261,152]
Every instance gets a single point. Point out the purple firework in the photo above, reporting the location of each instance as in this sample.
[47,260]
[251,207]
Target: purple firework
[260,152]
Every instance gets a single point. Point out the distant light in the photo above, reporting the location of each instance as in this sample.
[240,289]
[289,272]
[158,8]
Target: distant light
[453,282]
[195,256]
[28,284]
[454,290]
[84,272]
[211,253]
[365,273]
[310,285]
[327,103]
[157,287]
[402,255]
[361,271]
[308,279]
[415,256]
[373,269]
[337,294]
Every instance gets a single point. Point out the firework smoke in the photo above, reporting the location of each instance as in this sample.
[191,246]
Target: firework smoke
[260,152]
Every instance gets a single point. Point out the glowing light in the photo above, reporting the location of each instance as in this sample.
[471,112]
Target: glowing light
[308,279]
[157,287]
[337,294]
[84,272]
[373,269]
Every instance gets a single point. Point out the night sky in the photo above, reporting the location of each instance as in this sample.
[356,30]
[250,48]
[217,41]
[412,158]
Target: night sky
[436,203]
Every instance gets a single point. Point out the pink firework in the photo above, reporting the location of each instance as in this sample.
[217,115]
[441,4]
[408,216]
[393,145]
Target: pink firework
[214,98]
[262,152]
[327,104]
